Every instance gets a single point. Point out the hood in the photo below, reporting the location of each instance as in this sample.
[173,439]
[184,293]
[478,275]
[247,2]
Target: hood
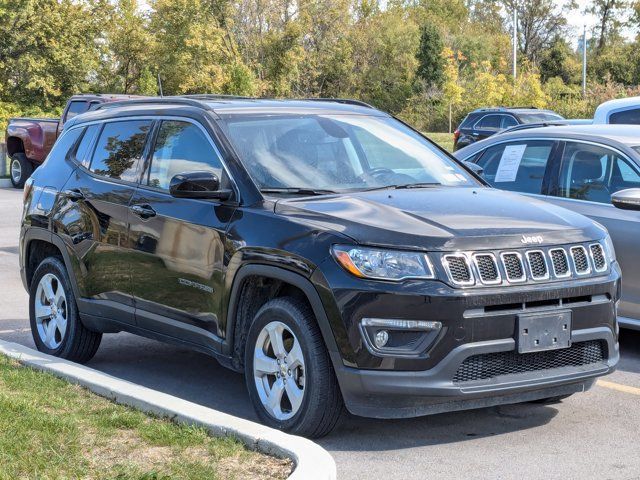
[444,218]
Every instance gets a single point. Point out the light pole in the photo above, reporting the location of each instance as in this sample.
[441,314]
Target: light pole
[584,62]
[515,41]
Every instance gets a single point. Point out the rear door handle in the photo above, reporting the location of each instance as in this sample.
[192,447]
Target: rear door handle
[73,194]
[143,211]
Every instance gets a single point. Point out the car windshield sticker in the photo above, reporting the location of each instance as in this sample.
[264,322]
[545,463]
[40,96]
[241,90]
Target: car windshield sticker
[509,163]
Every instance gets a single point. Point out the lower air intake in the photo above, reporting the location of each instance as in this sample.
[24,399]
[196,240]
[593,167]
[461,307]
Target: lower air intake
[490,365]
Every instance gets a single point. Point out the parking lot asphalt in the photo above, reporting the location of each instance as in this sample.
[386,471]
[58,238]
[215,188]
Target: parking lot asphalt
[589,435]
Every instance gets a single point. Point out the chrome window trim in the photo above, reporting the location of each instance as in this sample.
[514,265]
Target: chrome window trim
[498,280]
[506,272]
[447,268]
[566,258]
[604,255]
[546,264]
[587,256]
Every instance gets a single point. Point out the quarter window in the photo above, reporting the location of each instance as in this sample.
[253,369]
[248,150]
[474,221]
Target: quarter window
[629,117]
[490,122]
[517,166]
[82,152]
[181,147]
[593,173]
[120,148]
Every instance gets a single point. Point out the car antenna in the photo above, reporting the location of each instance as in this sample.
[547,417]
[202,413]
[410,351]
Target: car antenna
[160,85]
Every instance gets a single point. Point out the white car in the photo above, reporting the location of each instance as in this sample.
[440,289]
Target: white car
[621,111]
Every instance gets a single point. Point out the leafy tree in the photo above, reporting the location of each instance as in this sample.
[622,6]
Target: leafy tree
[559,61]
[608,13]
[430,61]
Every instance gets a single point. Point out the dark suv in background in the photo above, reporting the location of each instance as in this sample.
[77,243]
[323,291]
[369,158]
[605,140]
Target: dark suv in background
[326,250]
[484,122]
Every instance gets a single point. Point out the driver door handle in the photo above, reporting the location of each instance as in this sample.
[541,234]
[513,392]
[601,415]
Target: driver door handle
[143,211]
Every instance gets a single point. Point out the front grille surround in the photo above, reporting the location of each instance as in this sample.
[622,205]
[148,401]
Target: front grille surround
[560,262]
[580,259]
[538,267]
[521,266]
[487,268]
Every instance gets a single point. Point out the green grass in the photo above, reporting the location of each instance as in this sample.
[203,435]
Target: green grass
[50,429]
[445,140]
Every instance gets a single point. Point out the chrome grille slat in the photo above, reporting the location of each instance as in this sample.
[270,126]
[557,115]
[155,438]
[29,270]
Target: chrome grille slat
[459,269]
[537,265]
[580,260]
[560,262]
[513,267]
[487,268]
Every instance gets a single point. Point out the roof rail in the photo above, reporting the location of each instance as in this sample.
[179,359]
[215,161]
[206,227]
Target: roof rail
[213,96]
[192,102]
[347,101]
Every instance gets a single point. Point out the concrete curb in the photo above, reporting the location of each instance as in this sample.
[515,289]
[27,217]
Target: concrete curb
[312,462]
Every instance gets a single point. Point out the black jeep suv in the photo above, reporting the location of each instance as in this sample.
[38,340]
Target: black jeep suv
[485,122]
[325,249]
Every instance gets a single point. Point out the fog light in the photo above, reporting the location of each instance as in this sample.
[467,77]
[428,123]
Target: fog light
[382,337]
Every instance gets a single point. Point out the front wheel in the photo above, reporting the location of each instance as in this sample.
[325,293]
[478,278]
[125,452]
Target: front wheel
[20,169]
[288,372]
[55,321]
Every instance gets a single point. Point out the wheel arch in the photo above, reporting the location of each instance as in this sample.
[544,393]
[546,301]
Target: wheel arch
[14,145]
[287,283]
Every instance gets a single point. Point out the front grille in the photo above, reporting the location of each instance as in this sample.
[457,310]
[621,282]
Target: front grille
[580,260]
[537,265]
[490,365]
[513,267]
[560,262]
[598,257]
[487,268]
[458,269]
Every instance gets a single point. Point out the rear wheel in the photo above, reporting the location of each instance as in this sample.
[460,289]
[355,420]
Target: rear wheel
[288,372]
[55,322]
[20,169]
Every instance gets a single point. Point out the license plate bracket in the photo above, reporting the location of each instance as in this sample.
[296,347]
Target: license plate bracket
[544,331]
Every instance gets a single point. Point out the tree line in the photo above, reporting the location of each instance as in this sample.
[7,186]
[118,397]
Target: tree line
[424,60]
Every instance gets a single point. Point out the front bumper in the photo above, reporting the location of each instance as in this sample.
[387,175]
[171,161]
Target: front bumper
[475,322]
[393,394]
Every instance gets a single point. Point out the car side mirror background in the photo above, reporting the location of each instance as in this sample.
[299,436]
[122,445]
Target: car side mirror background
[628,199]
[477,169]
[199,184]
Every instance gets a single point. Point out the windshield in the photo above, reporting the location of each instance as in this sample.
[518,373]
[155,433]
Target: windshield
[333,153]
[539,117]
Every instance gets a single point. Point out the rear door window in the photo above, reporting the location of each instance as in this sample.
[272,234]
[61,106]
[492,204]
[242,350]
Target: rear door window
[119,149]
[629,117]
[593,172]
[508,121]
[517,166]
[490,122]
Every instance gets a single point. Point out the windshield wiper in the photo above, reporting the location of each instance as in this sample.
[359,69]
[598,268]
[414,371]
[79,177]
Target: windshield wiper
[298,191]
[404,186]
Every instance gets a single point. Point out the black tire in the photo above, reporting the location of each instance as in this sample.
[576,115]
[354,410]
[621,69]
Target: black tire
[551,400]
[25,168]
[78,343]
[322,403]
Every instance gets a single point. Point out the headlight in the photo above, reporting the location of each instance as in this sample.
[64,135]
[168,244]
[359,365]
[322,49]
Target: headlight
[383,264]
[609,250]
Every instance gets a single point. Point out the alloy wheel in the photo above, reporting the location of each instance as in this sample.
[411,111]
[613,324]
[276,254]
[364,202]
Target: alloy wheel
[16,171]
[51,311]
[279,370]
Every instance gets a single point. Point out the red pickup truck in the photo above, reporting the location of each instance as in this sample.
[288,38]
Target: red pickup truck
[29,140]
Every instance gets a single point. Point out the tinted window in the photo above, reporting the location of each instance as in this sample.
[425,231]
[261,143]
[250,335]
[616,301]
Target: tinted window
[593,173]
[82,152]
[517,166]
[76,108]
[181,147]
[65,143]
[119,149]
[490,122]
[631,117]
[508,121]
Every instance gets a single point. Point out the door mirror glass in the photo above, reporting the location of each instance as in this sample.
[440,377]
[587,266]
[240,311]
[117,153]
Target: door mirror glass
[475,168]
[628,199]
[200,184]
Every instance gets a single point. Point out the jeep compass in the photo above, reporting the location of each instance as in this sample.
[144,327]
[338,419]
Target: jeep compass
[328,251]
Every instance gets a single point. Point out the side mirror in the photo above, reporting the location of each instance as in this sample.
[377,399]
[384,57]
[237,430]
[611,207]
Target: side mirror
[477,169]
[202,184]
[628,199]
